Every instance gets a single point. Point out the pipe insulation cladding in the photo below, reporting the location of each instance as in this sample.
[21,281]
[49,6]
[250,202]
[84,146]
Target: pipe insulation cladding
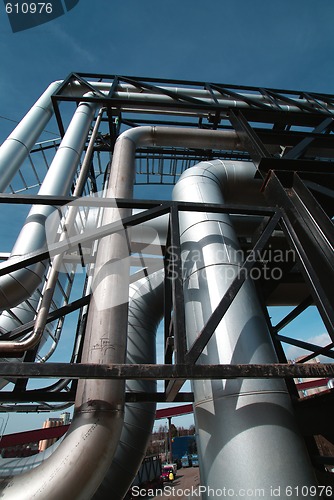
[145,313]
[99,409]
[19,143]
[247,437]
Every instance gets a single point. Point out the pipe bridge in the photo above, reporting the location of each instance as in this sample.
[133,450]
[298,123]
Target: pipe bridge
[163,224]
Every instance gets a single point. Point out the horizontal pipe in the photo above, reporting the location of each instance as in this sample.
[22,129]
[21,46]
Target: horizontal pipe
[16,148]
[145,310]
[131,94]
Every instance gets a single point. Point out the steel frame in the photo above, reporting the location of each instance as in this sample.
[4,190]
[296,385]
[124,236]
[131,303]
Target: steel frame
[297,183]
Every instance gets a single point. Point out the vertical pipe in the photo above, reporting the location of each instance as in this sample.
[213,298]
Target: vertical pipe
[145,313]
[248,440]
[82,460]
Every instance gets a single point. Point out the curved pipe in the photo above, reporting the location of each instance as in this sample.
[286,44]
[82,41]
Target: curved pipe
[10,467]
[95,431]
[98,419]
[246,422]
[145,313]
[53,276]
[17,146]
[18,286]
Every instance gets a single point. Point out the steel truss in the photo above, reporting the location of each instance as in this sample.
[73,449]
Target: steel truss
[293,151]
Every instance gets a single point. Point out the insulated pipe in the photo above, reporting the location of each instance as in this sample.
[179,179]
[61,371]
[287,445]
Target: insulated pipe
[247,436]
[15,317]
[79,464]
[17,146]
[145,313]
[18,286]
[132,93]
[19,143]
[35,337]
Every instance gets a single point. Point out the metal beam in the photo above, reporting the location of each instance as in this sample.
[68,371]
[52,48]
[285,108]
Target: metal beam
[300,148]
[217,315]
[163,372]
[309,232]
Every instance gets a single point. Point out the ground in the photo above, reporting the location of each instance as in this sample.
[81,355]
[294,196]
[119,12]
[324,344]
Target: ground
[185,484]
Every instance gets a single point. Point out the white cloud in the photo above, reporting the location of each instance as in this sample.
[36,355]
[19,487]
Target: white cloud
[73,45]
[293,352]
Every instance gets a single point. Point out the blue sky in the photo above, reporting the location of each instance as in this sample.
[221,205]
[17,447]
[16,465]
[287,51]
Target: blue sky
[276,44]
[286,44]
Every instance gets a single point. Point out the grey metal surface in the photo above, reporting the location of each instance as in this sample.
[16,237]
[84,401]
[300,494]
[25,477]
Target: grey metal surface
[131,93]
[99,408]
[17,146]
[243,425]
[53,276]
[98,418]
[18,286]
[145,313]
[10,467]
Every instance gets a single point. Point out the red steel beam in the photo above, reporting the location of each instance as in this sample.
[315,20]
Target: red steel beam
[32,436]
[173,411]
[312,384]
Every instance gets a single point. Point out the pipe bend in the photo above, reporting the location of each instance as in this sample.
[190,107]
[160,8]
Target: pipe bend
[17,287]
[138,135]
[234,179]
[145,311]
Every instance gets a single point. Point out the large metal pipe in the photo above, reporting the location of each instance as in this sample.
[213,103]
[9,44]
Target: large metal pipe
[245,427]
[206,97]
[48,292]
[17,146]
[98,417]
[18,286]
[145,313]
[19,143]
